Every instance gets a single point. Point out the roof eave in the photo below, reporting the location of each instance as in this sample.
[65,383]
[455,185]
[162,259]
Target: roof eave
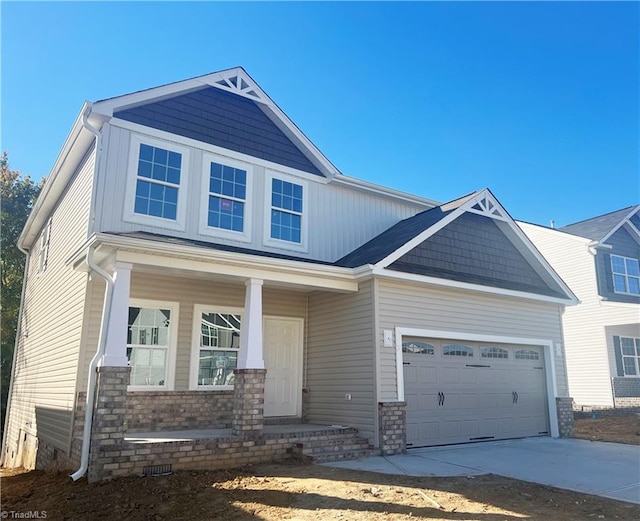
[72,151]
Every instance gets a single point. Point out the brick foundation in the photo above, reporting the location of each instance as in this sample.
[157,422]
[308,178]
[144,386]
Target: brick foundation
[565,417]
[392,422]
[248,402]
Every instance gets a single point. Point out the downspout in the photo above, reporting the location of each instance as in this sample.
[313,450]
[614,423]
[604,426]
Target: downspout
[91,383]
[15,354]
[106,313]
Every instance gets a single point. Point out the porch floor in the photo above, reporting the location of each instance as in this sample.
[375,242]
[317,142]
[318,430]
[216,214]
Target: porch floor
[211,434]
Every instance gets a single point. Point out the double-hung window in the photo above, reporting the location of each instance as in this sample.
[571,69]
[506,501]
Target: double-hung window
[626,275]
[630,350]
[287,205]
[216,342]
[157,183]
[151,344]
[227,188]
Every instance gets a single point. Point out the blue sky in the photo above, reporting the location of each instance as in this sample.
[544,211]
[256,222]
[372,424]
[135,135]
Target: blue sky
[537,101]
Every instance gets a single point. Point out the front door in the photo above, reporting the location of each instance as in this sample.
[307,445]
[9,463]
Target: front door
[283,362]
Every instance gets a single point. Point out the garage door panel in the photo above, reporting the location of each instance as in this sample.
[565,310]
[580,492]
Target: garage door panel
[456,398]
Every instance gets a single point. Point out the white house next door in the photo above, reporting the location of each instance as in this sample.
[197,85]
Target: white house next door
[283,362]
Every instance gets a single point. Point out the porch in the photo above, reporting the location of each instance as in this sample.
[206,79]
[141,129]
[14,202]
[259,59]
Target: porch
[161,452]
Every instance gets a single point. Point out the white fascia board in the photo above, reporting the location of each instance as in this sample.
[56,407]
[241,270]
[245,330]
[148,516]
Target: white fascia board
[467,286]
[622,222]
[214,149]
[371,188]
[142,251]
[72,151]
[634,232]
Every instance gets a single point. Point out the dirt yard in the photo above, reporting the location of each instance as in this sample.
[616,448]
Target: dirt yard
[310,492]
[619,429]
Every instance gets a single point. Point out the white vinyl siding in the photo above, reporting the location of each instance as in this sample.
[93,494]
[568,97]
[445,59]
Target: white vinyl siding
[187,292]
[416,306]
[340,359]
[589,349]
[326,207]
[44,382]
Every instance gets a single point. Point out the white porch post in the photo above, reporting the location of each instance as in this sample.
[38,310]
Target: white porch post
[250,355]
[115,349]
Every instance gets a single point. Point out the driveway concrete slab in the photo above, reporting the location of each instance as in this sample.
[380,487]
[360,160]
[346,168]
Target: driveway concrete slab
[606,469]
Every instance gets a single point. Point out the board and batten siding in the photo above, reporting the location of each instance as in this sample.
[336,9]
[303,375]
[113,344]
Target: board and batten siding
[340,359]
[403,304]
[329,207]
[590,362]
[187,292]
[44,379]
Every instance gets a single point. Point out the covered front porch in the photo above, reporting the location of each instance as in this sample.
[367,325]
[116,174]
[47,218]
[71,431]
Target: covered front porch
[191,341]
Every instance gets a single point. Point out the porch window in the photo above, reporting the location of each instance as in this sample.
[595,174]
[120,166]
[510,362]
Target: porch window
[149,345]
[626,275]
[630,348]
[217,348]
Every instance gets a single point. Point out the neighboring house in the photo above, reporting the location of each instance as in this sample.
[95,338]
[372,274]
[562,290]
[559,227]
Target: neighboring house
[195,262]
[598,259]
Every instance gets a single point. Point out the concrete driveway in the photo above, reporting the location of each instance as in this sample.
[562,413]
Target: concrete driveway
[605,469]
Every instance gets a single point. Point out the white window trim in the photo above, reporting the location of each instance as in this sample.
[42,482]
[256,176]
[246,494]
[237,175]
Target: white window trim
[626,275]
[636,357]
[43,255]
[172,347]
[198,309]
[303,246]
[203,226]
[132,176]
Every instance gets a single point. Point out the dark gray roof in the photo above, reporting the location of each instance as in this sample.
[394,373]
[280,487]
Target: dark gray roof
[393,238]
[224,119]
[598,227]
[155,237]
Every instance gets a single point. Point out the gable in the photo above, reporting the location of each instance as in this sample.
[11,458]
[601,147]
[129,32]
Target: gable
[223,119]
[624,244]
[473,249]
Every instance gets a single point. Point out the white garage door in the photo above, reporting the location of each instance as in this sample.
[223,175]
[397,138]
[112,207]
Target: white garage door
[459,391]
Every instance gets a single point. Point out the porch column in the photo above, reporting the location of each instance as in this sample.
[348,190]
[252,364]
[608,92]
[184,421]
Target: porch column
[248,388]
[115,351]
[250,355]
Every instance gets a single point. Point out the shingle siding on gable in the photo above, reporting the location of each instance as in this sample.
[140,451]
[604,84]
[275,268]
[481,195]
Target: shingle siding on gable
[622,244]
[473,249]
[223,119]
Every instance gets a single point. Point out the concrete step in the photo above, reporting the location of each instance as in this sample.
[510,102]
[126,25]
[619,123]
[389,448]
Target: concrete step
[324,457]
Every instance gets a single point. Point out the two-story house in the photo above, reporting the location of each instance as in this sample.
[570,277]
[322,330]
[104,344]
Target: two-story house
[204,288]
[598,258]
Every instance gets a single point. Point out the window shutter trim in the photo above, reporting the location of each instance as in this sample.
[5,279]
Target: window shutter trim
[618,351]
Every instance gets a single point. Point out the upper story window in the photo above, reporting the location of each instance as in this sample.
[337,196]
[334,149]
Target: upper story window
[626,275]
[286,211]
[43,256]
[226,184]
[158,182]
[156,185]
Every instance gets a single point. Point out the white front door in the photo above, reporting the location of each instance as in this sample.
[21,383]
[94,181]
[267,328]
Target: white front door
[283,362]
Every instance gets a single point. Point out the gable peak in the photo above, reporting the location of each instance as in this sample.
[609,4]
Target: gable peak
[239,82]
[484,203]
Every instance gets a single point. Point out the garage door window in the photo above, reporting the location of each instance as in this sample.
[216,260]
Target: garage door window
[418,348]
[457,350]
[494,352]
[527,354]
